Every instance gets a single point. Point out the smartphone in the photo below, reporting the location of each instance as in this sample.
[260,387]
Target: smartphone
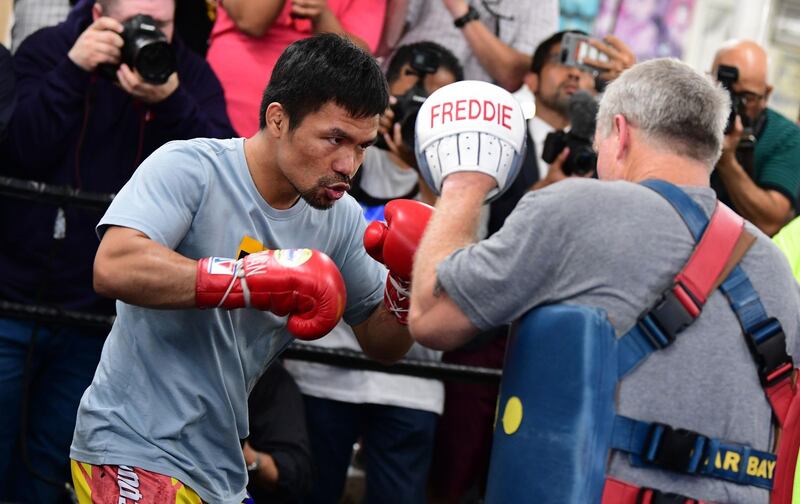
[575,48]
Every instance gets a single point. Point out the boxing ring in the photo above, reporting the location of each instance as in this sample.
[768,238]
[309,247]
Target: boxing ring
[41,193]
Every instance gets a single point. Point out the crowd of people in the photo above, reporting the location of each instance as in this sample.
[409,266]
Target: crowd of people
[230,132]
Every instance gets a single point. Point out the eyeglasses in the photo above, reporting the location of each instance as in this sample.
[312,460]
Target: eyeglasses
[554,58]
[749,99]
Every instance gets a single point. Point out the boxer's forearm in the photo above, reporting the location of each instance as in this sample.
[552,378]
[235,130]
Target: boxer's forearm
[382,338]
[434,319]
[131,267]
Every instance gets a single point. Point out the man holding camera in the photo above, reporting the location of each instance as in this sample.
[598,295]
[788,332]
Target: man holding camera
[615,245]
[85,118]
[553,84]
[758,173]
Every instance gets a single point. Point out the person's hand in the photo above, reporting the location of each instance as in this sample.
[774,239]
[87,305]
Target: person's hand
[304,284]
[134,85]
[387,118]
[398,147]
[309,9]
[100,43]
[457,8]
[620,57]
[250,455]
[479,181]
[729,144]
[555,173]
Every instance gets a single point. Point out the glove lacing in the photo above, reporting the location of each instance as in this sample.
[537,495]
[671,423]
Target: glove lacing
[399,306]
[238,274]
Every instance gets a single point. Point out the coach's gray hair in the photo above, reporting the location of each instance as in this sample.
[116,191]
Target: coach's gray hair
[676,108]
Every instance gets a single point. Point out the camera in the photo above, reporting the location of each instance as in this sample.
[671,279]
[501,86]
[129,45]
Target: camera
[727,76]
[145,49]
[582,159]
[423,62]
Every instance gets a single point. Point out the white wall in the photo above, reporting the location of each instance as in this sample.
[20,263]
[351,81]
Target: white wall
[715,21]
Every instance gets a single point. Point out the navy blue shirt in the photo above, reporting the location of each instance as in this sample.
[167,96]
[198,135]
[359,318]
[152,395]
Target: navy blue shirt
[7,96]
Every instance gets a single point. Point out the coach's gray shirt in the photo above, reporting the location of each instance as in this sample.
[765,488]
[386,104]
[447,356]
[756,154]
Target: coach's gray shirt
[617,246]
[170,392]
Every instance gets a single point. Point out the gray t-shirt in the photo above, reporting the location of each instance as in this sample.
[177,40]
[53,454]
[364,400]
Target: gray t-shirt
[617,246]
[170,393]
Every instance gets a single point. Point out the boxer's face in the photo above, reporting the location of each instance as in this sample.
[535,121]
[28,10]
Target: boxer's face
[321,155]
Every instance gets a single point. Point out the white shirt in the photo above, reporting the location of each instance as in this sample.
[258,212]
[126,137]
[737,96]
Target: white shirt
[539,130]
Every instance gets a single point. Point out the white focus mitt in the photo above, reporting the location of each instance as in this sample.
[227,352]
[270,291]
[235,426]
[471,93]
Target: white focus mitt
[470,126]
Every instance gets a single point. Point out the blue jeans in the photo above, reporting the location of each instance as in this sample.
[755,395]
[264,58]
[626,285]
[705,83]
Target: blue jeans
[398,443]
[61,367]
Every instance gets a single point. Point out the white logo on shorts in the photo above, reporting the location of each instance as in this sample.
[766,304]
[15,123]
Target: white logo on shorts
[128,482]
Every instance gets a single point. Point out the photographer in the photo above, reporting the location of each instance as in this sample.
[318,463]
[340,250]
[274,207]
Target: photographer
[554,84]
[394,416]
[415,71]
[757,174]
[85,118]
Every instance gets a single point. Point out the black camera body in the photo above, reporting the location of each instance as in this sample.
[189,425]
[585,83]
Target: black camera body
[581,159]
[406,109]
[727,76]
[745,150]
[145,49]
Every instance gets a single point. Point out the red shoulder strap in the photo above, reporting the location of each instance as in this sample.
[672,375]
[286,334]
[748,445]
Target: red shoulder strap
[720,248]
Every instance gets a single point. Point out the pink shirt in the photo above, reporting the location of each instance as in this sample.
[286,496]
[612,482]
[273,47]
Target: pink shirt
[244,64]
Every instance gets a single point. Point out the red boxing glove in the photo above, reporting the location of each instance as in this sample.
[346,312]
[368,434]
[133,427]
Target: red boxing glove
[394,244]
[304,284]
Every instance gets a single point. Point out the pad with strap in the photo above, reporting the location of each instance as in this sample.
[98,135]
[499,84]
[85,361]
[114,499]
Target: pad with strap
[556,408]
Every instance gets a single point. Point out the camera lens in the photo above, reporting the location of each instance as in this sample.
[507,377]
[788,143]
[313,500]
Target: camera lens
[155,62]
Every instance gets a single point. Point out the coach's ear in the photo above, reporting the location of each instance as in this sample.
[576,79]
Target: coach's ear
[277,120]
[622,129]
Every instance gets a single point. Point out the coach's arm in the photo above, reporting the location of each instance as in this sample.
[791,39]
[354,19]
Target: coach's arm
[434,319]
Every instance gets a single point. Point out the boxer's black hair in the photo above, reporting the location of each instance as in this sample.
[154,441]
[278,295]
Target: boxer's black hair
[321,69]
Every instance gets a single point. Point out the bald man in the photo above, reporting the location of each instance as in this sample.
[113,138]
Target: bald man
[760,183]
